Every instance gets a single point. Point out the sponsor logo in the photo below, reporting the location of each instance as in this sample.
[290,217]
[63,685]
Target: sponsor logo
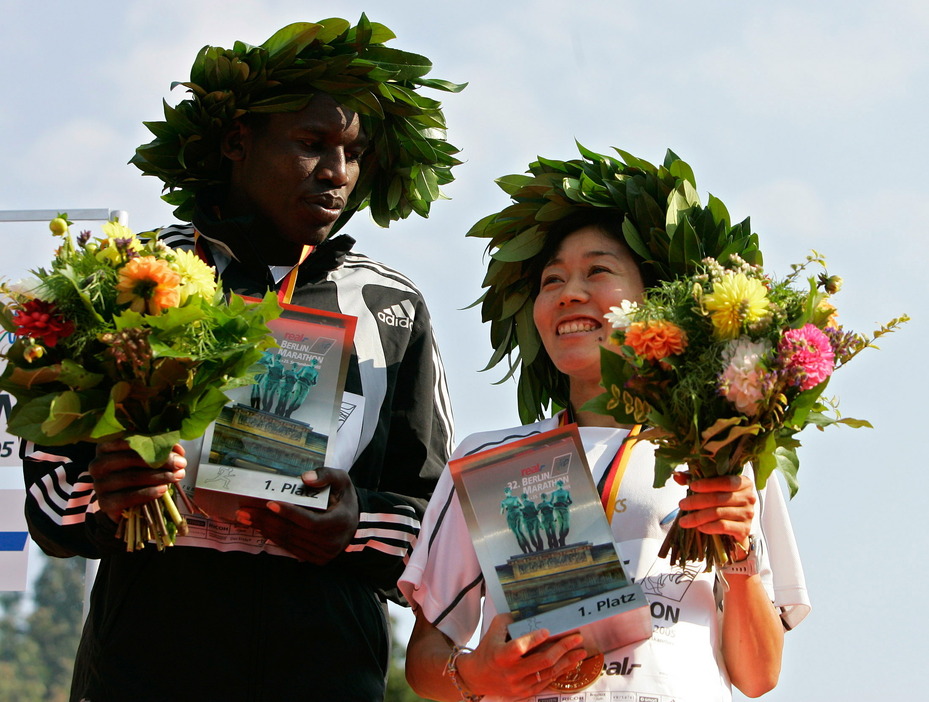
[623,667]
[399,315]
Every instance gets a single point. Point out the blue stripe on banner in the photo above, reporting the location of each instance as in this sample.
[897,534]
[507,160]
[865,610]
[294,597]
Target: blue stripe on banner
[13,540]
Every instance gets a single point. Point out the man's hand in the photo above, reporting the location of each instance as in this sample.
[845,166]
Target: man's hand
[123,480]
[309,534]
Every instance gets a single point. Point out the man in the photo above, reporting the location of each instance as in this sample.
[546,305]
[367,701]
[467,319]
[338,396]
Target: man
[277,147]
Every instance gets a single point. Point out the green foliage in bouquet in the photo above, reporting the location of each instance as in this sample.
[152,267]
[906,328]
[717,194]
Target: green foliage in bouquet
[408,158]
[89,367]
[663,222]
[726,366]
[125,339]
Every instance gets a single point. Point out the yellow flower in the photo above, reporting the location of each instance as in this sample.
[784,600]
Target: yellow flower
[148,284]
[115,230]
[197,278]
[826,315]
[119,242]
[736,300]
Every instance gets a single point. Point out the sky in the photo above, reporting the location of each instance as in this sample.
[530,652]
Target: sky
[808,117]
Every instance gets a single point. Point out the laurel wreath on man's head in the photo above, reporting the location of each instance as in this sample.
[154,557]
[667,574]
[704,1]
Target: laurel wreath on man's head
[663,223]
[408,158]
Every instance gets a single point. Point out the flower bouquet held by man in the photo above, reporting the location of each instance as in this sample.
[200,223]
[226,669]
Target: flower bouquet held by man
[132,340]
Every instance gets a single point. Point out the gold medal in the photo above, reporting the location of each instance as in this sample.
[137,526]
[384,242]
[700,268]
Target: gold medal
[582,676]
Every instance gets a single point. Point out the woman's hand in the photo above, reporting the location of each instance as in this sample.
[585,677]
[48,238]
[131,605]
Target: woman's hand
[720,505]
[123,480]
[512,669]
[752,632]
[520,667]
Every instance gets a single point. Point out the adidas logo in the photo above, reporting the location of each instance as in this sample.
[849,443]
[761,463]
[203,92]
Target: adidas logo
[399,315]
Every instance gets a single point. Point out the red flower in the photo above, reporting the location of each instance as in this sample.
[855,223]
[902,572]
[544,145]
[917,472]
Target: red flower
[39,320]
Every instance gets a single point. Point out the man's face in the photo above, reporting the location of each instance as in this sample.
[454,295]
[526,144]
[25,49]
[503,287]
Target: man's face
[295,171]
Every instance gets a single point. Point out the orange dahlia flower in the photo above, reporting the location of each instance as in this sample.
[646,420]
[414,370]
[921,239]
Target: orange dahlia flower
[656,339]
[149,285]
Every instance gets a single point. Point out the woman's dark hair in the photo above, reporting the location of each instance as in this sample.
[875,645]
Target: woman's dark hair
[608,221]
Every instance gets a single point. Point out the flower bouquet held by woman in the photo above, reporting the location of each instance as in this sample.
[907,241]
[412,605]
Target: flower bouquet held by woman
[723,364]
[122,339]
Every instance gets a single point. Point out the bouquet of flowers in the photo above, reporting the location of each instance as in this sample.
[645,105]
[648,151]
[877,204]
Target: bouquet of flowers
[725,366]
[122,338]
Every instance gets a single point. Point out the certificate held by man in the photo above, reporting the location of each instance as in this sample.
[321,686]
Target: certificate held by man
[285,423]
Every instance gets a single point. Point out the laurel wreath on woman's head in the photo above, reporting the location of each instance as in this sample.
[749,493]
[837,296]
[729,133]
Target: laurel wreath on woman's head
[408,158]
[663,223]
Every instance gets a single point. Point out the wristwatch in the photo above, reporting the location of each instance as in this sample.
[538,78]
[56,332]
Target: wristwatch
[748,565]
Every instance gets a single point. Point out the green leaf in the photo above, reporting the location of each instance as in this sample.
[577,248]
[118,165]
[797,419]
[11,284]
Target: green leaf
[294,37]
[521,247]
[107,425]
[685,249]
[511,184]
[634,239]
[639,163]
[855,423]
[206,409]
[63,410]
[527,335]
[720,213]
[332,28]
[153,448]
[445,85]
[76,377]
[802,405]
[664,468]
[680,169]
[788,464]
[26,418]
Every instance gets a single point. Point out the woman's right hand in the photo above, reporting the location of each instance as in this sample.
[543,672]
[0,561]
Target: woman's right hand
[518,668]
[123,480]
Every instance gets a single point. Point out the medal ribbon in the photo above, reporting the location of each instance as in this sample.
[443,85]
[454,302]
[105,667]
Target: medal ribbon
[614,477]
[289,281]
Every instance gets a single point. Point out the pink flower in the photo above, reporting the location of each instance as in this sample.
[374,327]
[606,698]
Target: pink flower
[742,381]
[806,354]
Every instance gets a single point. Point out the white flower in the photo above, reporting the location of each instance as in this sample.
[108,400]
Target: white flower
[621,317]
[741,382]
[743,354]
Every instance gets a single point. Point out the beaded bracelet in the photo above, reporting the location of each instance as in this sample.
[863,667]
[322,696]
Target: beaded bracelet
[451,669]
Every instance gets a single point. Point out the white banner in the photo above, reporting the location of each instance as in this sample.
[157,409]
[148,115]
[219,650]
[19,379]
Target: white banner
[26,245]
[14,542]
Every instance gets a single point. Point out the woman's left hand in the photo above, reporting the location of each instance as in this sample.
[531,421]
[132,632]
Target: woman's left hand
[720,505]
[752,632]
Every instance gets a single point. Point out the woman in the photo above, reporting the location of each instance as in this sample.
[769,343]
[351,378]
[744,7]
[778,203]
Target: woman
[708,630]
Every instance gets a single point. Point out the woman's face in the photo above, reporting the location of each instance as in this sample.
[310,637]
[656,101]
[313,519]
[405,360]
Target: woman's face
[590,272]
